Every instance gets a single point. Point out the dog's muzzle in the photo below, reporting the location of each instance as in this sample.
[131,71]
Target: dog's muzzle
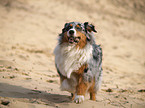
[73,39]
[72,36]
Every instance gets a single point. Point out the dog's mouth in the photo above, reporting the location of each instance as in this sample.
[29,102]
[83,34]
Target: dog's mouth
[73,40]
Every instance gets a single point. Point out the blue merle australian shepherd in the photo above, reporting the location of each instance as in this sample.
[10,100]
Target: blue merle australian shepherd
[79,60]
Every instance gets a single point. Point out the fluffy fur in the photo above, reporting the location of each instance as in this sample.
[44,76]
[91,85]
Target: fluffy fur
[79,60]
[69,58]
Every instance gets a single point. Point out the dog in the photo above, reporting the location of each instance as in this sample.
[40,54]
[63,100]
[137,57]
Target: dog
[78,60]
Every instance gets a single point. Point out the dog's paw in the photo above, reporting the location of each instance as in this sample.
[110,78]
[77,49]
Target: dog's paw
[79,99]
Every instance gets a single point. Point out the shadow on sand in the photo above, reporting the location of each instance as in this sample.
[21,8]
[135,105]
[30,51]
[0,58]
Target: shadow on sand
[13,91]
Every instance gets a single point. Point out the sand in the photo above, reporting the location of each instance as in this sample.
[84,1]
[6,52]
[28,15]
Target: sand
[28,36]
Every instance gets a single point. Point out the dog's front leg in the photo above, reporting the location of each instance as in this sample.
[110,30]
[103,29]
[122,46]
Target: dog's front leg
[82,85]
[80,92]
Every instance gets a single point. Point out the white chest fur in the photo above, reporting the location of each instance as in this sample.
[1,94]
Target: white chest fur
[68,59]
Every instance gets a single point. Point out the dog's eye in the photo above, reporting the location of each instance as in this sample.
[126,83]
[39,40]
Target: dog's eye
[78,27]
[69,27]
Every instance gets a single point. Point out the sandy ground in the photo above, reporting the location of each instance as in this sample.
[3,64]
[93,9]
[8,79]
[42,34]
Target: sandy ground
[28,36]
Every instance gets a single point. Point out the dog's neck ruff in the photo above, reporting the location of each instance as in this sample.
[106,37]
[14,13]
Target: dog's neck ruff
[69,59]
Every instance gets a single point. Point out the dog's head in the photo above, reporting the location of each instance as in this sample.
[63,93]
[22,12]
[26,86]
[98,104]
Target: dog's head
[75,33]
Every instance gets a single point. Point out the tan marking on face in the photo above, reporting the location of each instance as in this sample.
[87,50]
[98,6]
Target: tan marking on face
[83,40]
[77,26]
[65,38]
[71,25]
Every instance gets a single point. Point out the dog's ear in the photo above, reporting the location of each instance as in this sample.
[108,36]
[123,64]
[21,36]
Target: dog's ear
[89,27]
[65,25]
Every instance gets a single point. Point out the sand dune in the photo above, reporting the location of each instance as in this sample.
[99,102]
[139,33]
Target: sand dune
[28,36]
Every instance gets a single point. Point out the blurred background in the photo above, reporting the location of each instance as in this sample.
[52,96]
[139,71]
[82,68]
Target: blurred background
[28,35]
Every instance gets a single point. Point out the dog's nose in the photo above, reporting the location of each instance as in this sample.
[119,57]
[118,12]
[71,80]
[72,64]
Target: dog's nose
[71,32]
